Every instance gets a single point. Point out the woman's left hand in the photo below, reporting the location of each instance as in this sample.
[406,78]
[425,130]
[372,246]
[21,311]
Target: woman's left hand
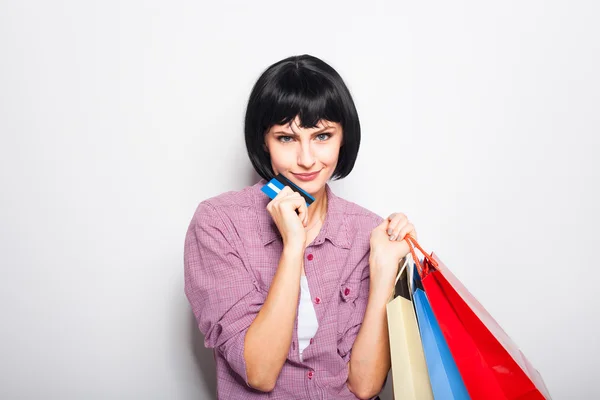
[388,247]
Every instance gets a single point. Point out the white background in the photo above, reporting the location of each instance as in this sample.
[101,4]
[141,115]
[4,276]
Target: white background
[480,122]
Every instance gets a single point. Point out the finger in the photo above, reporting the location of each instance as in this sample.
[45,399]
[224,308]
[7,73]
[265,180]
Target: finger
[396,218]
[286,191]
[408,229]
[397,234]
[291,192]
[393,217]
[396,224]
[283,193]
[297,204]
[303,212]
[293,197]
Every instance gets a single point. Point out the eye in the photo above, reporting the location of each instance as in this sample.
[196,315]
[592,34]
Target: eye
[283,139]
[323,136]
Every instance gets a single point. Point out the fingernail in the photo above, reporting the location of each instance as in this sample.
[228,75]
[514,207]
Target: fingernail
[393,237]
[390,231]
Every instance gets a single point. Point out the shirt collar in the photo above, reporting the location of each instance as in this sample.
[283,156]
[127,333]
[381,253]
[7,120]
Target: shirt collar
[334,227]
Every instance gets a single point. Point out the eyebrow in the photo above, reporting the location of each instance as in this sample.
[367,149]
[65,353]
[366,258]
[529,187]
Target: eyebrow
[315,133]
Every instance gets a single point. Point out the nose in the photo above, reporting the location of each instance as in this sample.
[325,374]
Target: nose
[306,159]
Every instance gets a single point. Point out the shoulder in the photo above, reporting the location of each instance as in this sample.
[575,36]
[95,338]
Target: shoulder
[232,198]
[361,214]
[359,219]
[225,206]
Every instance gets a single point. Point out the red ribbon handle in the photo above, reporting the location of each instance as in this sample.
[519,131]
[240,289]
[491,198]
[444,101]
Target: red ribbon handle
[412,243]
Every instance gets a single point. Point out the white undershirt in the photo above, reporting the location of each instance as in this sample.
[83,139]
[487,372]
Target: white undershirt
[307,318]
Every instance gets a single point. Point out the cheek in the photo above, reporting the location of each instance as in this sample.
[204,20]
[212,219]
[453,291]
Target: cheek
[281,158]
[329,155]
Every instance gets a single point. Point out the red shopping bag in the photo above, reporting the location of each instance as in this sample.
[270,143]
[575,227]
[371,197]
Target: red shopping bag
[490,363]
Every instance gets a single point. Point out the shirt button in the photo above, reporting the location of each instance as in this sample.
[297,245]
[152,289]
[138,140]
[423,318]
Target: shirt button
[347,291]
[317,300]
[310,257]
[310,374]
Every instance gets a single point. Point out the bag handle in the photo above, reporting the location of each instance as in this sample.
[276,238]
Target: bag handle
[412,243]
[404,264]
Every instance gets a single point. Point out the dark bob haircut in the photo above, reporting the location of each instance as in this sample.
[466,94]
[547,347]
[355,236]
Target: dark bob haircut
[307,87]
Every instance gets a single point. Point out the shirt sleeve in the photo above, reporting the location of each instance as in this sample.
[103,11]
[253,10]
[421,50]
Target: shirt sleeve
[356,319]
[345,346]
[220,286]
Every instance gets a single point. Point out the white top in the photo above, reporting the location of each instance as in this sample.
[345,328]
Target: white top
[307,318]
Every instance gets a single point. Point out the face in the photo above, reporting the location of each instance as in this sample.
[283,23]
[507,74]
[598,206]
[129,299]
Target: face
[297,151]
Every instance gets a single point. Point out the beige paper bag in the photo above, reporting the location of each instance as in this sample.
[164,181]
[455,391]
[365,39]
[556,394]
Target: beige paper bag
[409,370]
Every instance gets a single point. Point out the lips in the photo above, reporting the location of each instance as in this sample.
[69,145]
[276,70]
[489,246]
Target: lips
[307,177]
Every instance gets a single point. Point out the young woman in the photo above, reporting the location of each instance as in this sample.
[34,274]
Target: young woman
[293,298]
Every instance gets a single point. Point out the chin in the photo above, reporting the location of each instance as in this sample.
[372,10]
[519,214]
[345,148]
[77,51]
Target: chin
[312,187]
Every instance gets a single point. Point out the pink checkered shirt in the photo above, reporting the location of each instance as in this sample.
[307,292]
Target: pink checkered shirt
[232,250]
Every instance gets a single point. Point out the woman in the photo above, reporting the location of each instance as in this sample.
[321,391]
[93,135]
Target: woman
[293,298]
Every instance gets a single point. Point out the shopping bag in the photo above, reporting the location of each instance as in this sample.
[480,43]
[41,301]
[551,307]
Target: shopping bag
[490,363]
[409,372]
[446,381]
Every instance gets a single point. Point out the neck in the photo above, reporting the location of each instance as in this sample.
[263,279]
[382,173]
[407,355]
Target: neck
[318,208]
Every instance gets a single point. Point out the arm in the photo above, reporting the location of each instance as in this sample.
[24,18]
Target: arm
[370,359]
[269,337]
[268,340]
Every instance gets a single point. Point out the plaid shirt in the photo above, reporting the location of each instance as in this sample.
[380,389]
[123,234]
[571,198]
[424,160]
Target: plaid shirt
[232,250]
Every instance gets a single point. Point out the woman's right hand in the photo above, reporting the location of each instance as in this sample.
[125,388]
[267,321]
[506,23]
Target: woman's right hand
[290,224]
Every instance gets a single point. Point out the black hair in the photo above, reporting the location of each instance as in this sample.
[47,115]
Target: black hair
[307,87]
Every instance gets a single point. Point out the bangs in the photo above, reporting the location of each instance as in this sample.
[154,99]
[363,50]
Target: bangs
[301,93]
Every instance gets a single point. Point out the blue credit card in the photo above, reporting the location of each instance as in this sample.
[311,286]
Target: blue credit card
[276,185]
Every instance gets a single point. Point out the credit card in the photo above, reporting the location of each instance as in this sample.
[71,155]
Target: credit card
[276,185]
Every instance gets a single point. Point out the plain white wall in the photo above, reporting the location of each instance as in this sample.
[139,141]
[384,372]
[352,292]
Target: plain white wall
[480,121]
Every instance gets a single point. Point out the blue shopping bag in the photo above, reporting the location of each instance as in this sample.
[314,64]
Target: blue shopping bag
[446,382]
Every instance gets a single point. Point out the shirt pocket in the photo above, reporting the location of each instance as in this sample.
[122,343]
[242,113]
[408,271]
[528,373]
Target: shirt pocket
[348,293]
